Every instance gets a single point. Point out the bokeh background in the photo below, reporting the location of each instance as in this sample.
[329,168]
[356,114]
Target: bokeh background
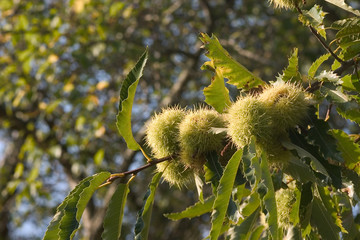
[62,63]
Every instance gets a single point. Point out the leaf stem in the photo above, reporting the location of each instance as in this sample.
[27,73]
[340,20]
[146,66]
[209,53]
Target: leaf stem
[322,42]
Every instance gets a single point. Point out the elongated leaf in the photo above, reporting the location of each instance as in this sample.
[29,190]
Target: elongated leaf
[295,209]
[349,150]
[322,219]
[142,224]
[196,210]
[348,31]
[351,82]
[314,67]
[223,194]
[350,110]
[68,215]
[217,95]
[291,73]
[115,213]
[251,165]
[319,136]
[251,204]
[127,94]
[213,170]
[244,230]
[315,164]
[199,187]
[343,5]
[267,197]
[237,74]
[299,171]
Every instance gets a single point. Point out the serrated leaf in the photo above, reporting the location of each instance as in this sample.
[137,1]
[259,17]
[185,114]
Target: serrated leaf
[66,220]
[216,94]
[142,224]
[314,17]
[213,170]
[299,171]
[348,31]
[251,165]
[250,205]
[319,135]
[295,209]
[351,82]
[354,21]
[349,110]
[343,5]
[329,76]
[314,67]
[114,213]
[267,197]
[329,204]
[315,164]
[305,210]
[127,94]
[350,151]
[237,74]
[223,194]
[196,210]
[322,219]
[244,230]
[291,72]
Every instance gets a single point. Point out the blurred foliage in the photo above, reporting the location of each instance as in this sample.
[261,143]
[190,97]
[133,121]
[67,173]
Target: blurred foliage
[61,63]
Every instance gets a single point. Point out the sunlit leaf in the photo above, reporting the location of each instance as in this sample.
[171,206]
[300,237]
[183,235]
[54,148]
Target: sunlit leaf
[291,72]
[314,67]
[314,17]
[244,230]
[237,74]
[127,94]
[350,151]
[142,224]
[196,210]
[67,218]
[223,194]
[114,213]
[216,94]
[343,5]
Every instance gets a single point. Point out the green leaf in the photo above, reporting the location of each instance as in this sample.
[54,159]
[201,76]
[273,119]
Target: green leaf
[115,213]
[322,219]
[267,197]
[251,204]
[299,171]
[99,156]
[213,170]
[142,224]
[351,82]
[291,73]
[350,151]
[217,95]
[221,60]
[244,230]
[127,94]
[223,194]
[343,5]
[349,110]
[251,165]
[199,187]
[314,67]
[314,17]
[319,135]
[295,210]
[315,164]
[348,31]
[196,210]
[67,218]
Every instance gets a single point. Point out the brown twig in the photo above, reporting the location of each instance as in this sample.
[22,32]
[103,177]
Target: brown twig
[115,176]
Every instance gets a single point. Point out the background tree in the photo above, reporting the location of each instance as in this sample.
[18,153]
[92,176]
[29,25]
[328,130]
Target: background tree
[61,68]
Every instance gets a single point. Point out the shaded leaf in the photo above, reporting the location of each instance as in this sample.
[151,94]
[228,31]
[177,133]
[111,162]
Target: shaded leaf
[322,219]
[199,187]
[67,218]
[196,210]
[213,170]
[223,194]
[127,94]
[216,94]
[237,74]
[142,224]
[299,171]
[114,213]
